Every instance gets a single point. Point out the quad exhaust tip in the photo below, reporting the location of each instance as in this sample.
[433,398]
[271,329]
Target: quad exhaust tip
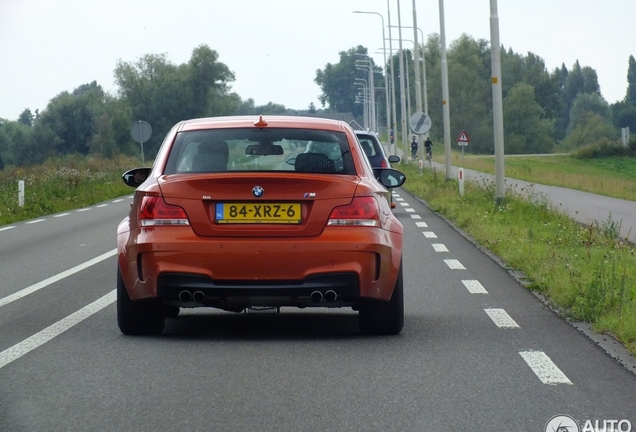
[330,296]
[186,296]
[316,296]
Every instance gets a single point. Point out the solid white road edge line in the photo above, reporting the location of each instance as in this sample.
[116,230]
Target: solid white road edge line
[38,286]
[544,368]
[40,338]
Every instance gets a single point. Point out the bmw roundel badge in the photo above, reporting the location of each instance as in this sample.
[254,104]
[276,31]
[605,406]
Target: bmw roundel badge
[258,191]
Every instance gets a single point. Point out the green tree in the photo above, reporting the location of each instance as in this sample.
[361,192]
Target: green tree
[526,128]
[586,103]
[26,117]
[337,82]
[70,117]
[15,146]
[208,79]
[630,97]
[162,93]
[470,91]
[624,112]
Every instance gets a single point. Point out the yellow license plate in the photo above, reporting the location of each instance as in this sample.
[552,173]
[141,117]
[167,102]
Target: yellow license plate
[284,213]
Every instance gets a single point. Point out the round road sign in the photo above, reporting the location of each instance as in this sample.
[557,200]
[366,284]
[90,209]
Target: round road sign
[420,123]
[140,131]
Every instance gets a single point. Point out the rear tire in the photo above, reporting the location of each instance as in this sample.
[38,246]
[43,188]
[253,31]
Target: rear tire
[137,317]
[384,317]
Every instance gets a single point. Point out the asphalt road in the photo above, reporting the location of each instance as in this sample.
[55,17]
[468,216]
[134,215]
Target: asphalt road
[478,351]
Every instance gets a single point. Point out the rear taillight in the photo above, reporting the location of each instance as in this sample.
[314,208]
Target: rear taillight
[363,211]
[154,211]
[385,164]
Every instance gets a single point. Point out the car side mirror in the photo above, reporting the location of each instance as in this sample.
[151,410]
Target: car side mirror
[394,159]
[390,178]
[136,176]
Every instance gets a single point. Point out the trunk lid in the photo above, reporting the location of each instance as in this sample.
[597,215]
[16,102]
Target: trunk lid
[258,204]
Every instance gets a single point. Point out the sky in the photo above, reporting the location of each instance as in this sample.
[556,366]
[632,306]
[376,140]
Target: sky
[274,47]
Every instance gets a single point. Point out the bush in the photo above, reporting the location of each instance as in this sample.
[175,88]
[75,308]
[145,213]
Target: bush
[604,148]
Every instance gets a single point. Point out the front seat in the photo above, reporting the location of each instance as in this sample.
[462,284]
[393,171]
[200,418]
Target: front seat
[211,156]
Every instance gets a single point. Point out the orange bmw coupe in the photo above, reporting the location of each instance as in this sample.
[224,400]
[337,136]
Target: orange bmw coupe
[260,212]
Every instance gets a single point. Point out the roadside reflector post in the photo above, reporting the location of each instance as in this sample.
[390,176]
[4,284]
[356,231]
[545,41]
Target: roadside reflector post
[420,163]
[460,178]
[21,193]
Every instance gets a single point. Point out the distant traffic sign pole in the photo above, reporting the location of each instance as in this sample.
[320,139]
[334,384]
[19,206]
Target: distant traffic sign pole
[141,131]
[462,141]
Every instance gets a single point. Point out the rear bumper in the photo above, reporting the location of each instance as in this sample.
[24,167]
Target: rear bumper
[187,290]
[355,263]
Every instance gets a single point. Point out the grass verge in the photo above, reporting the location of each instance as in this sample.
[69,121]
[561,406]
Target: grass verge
[587,272]
[61,184]
[610,176]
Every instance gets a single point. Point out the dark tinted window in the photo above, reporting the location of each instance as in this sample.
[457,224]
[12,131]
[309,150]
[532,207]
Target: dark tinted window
[262,150]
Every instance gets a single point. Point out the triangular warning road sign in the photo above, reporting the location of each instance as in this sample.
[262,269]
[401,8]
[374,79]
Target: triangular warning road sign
[463,137]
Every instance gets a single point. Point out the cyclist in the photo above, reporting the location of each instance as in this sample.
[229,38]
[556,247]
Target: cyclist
[414,147]
[428,144]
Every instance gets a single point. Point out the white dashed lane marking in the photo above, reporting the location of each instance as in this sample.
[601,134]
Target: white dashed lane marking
[539,362]
[61,215]
[7,228]
[84,209]
[118,200]
[35,221]
[439,247]
[102,205]
[474,287]
[453,264]
[544,368]
[501,318]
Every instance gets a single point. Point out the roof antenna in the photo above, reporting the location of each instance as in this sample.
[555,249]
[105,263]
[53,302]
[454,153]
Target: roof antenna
[260,122]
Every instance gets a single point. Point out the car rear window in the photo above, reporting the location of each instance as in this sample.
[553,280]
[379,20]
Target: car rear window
[368,146]
[262,150]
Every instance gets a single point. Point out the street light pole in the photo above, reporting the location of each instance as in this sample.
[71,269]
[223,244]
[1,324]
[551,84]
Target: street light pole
[416,60]
[394,117]
[445,102]
[402,91]
[424,87]
[365,115]
[386,74]
[497,102]
[369,65]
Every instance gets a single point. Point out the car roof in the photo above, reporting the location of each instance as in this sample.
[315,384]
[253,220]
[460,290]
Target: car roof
[277,121]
